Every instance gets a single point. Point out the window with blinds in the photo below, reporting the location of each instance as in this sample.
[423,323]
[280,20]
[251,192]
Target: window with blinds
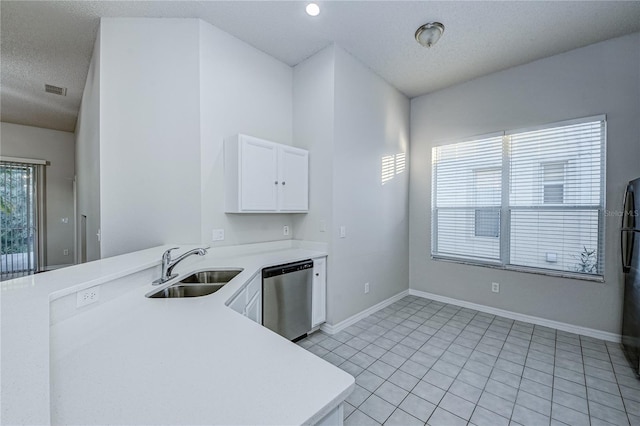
[524,199]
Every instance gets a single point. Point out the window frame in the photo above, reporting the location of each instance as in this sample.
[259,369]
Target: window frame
[505,207]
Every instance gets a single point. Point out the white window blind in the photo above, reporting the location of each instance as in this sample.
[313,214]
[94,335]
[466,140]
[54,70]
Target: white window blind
[467,191]
[532,199]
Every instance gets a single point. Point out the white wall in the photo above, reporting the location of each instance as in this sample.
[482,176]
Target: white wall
[313,126]
[170,91]
[149,133]
[57,147]
[599,79]
[349,118]
[88,159]
[371,121]
[242,90]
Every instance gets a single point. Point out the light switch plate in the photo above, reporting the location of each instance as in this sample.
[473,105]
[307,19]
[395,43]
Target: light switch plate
[343,231]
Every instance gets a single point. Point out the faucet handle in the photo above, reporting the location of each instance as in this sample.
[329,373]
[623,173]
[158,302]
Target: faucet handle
[166,260]
[167,253]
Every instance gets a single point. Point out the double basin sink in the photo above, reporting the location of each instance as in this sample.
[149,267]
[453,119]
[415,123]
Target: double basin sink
[197,284]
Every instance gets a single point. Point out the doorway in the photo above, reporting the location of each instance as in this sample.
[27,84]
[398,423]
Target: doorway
[21,207]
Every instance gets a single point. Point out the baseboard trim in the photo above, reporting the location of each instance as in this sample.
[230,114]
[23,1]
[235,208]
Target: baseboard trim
[333,329]
[585,331]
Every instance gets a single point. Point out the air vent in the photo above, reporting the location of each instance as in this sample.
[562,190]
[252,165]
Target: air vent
[62,91]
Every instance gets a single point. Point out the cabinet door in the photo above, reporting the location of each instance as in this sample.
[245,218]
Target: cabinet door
[239,302]
[258,175]
[319,300]
[334,418]
[254,308]
[294,179]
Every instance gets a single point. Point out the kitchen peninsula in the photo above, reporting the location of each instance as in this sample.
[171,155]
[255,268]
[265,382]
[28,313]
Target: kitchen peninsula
[137,360]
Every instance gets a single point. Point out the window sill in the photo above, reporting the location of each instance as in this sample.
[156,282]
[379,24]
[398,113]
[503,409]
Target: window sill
[547,272]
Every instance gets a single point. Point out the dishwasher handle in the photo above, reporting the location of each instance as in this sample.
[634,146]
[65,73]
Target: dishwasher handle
[287,268]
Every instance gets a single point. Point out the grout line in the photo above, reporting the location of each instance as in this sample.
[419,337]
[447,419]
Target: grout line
[401,312]
[518,389]
[586,388]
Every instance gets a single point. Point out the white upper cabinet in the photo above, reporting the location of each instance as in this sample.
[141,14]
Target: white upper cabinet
[294,179]
[265,177]
[258,175]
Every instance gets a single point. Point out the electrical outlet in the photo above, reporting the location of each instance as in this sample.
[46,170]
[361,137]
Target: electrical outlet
[495,287]
[285,230]
[87,296]
[65,220]
[366,288]
[65,252]
[217,235]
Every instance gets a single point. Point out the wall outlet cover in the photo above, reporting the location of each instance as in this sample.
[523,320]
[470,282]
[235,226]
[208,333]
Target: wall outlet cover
[343,231]
[217,235]
[87,296]
[285,230]
[495,287]
[366,288]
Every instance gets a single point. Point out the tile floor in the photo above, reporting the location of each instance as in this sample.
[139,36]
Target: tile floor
[420,362]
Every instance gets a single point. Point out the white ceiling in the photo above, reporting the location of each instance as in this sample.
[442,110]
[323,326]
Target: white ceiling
[52,41]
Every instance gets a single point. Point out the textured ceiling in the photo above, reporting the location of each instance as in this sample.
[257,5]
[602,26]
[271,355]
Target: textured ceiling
[51,41]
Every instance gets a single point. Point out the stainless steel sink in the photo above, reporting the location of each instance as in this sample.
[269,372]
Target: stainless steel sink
[197,284]
[211,277]
[188,290]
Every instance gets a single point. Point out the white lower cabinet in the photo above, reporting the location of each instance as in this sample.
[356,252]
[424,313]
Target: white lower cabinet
[254,308]
[334,418]
[249,301]
[239,302]
[319,291]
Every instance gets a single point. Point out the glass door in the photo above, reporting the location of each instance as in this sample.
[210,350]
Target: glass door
[18,219]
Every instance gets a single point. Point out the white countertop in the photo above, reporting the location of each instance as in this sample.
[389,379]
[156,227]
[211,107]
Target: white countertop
[134,360]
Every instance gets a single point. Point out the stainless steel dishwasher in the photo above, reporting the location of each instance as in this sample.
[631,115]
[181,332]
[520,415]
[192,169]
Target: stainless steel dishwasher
[286,298]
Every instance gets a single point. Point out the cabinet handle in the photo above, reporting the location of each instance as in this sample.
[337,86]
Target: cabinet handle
[276,182]
[317,274]
[284,183]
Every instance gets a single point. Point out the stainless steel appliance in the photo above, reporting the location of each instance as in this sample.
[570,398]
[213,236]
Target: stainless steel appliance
[286,299]
[630,240]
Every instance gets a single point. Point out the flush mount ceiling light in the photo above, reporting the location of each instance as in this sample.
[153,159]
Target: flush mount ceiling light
[429,34]
[313,9]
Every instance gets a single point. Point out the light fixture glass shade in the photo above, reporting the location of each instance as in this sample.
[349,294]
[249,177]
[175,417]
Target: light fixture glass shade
[312,9]
[429,34]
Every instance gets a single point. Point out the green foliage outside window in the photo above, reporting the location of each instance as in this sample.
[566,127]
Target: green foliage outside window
[16,211]
[587,261]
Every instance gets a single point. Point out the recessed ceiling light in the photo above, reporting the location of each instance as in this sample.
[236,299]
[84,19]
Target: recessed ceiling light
[313,9]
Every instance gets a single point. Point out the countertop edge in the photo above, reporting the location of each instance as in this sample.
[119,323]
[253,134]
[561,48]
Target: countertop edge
[64,284]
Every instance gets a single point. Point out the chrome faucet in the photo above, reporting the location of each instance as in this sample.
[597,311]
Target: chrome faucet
[168,265]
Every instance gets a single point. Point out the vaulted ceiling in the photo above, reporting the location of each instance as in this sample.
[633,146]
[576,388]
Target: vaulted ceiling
[50,42]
